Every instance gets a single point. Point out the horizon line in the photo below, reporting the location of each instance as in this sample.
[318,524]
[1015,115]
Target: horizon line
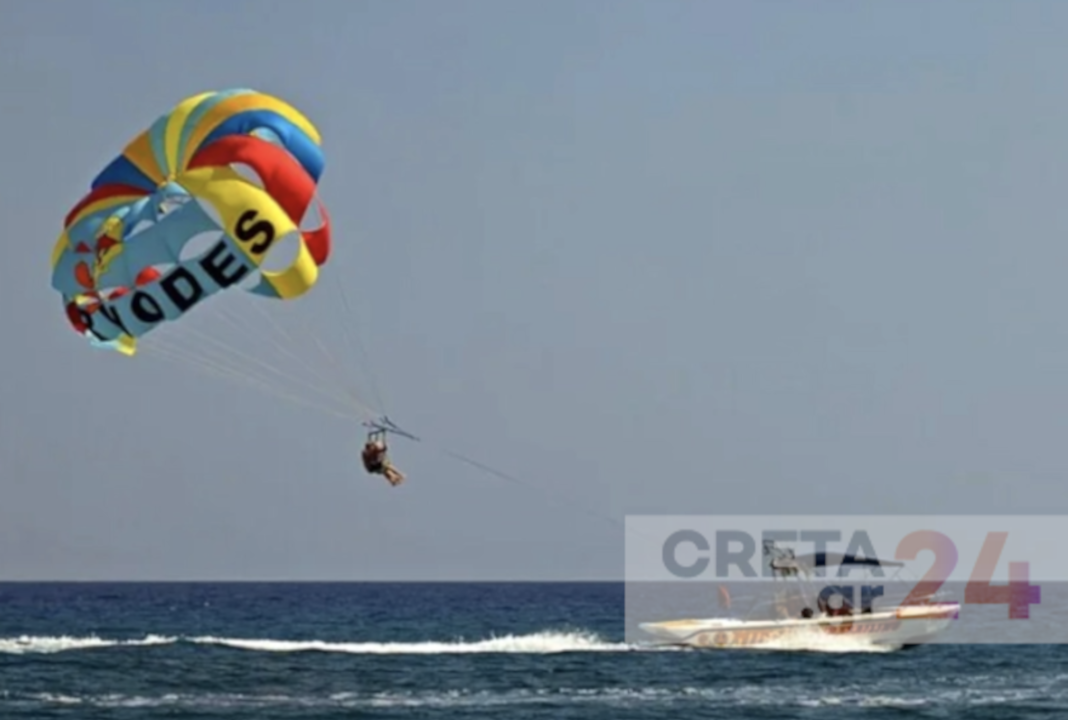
[306,582]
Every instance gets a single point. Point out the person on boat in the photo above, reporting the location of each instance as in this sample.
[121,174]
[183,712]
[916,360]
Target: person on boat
[724,597]
[376,459]
[845,608]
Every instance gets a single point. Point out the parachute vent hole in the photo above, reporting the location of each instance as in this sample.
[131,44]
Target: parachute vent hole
[283,253]
[313,217]
[139,227]
[248,174]
[199,244]
[264,133]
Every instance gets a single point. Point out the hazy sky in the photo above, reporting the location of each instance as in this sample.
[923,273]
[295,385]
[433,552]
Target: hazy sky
[648,257]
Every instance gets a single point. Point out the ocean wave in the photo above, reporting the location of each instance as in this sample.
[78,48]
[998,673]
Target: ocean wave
[539,643]
[535,643]
[27,644]
[734,696]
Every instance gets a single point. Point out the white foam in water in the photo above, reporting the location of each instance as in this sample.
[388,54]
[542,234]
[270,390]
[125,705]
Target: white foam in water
[536,643]
[25,644]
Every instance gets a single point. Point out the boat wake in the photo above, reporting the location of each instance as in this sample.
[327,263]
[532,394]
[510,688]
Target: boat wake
[539,643]
[535,643]
[547,642]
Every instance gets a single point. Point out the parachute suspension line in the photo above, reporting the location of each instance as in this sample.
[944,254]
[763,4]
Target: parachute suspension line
[216,367]
[178,355]
[283,348]
[280,347]
[364,355]
[341,386]
[206,363]
[248,359]
[260,385]
[202,350]
[248,363]
[335,390]
[345,329]
[354,399]
[223,365]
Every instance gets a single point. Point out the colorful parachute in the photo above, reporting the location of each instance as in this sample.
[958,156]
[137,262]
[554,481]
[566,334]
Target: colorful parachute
[196,204]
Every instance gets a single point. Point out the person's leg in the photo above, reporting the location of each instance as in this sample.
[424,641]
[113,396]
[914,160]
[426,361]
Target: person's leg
[394,476]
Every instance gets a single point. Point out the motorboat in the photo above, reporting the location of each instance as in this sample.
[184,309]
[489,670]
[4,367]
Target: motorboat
[799,614]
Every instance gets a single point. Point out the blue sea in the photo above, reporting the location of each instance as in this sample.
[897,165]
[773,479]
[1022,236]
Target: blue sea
[522,650]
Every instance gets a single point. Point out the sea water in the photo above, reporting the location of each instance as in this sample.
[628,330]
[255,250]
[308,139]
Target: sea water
[463,650]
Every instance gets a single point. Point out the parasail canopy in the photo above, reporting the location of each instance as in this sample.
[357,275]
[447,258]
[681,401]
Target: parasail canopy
[218,194]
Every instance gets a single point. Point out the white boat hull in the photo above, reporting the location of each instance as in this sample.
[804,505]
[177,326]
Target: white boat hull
[899,627]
